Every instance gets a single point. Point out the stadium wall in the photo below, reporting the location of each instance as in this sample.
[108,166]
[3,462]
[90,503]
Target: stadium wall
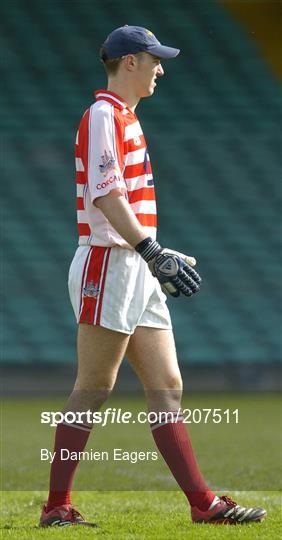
[214,137]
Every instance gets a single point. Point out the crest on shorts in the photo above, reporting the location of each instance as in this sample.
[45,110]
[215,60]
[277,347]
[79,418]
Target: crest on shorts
[108,162]
[91,290]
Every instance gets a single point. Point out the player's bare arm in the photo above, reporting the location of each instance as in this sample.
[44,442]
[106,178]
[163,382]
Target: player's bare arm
[116,209]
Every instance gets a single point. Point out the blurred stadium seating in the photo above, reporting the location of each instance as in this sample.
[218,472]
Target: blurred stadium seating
[213,129]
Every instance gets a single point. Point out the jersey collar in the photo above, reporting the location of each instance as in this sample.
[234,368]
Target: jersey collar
[111,97]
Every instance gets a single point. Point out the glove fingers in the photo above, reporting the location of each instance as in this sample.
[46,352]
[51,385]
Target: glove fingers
[192,273]
[181,286]
[189,281]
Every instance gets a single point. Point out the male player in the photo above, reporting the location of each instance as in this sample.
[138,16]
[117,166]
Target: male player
[117,278]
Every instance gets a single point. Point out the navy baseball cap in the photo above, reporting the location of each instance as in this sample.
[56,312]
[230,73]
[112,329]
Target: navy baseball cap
[133,39]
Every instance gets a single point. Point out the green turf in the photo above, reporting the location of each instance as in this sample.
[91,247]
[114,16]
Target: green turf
[142,500]
[136,515]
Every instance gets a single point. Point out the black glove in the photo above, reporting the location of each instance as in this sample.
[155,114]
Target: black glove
[172,269]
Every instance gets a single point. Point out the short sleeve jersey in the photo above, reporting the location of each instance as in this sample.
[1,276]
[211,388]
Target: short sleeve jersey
[111,152]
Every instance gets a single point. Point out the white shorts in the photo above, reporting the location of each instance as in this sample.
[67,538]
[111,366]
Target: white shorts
[113,287]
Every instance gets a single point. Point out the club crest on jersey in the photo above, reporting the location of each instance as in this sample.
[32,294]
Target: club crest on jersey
[91,290]
[108,162]
[137,140]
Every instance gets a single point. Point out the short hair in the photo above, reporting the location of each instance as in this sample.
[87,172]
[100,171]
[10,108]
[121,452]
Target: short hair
[111,66]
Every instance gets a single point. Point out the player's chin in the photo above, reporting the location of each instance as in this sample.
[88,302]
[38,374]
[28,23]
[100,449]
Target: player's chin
[150,90]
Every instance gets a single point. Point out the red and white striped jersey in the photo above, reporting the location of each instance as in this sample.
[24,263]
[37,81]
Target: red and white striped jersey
[111,152]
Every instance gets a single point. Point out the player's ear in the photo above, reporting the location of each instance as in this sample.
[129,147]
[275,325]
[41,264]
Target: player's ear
[130,62]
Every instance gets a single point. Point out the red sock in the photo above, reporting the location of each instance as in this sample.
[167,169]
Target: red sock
[174,444]
[73,437]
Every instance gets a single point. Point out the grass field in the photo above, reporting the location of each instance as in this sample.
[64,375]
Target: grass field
[141,500]
[136,515]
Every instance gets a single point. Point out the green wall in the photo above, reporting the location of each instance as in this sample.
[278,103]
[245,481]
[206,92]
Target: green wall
[214,140]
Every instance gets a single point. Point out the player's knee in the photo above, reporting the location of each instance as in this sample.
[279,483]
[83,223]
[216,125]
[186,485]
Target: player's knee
[167,396]
[99,396]
[96,382]
[82,399]
[168,382]
[172,392]
[93,395]
[171,398]
[102,394]
[173,383]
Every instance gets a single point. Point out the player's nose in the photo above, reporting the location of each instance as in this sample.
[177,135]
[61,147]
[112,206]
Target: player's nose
[160,71]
